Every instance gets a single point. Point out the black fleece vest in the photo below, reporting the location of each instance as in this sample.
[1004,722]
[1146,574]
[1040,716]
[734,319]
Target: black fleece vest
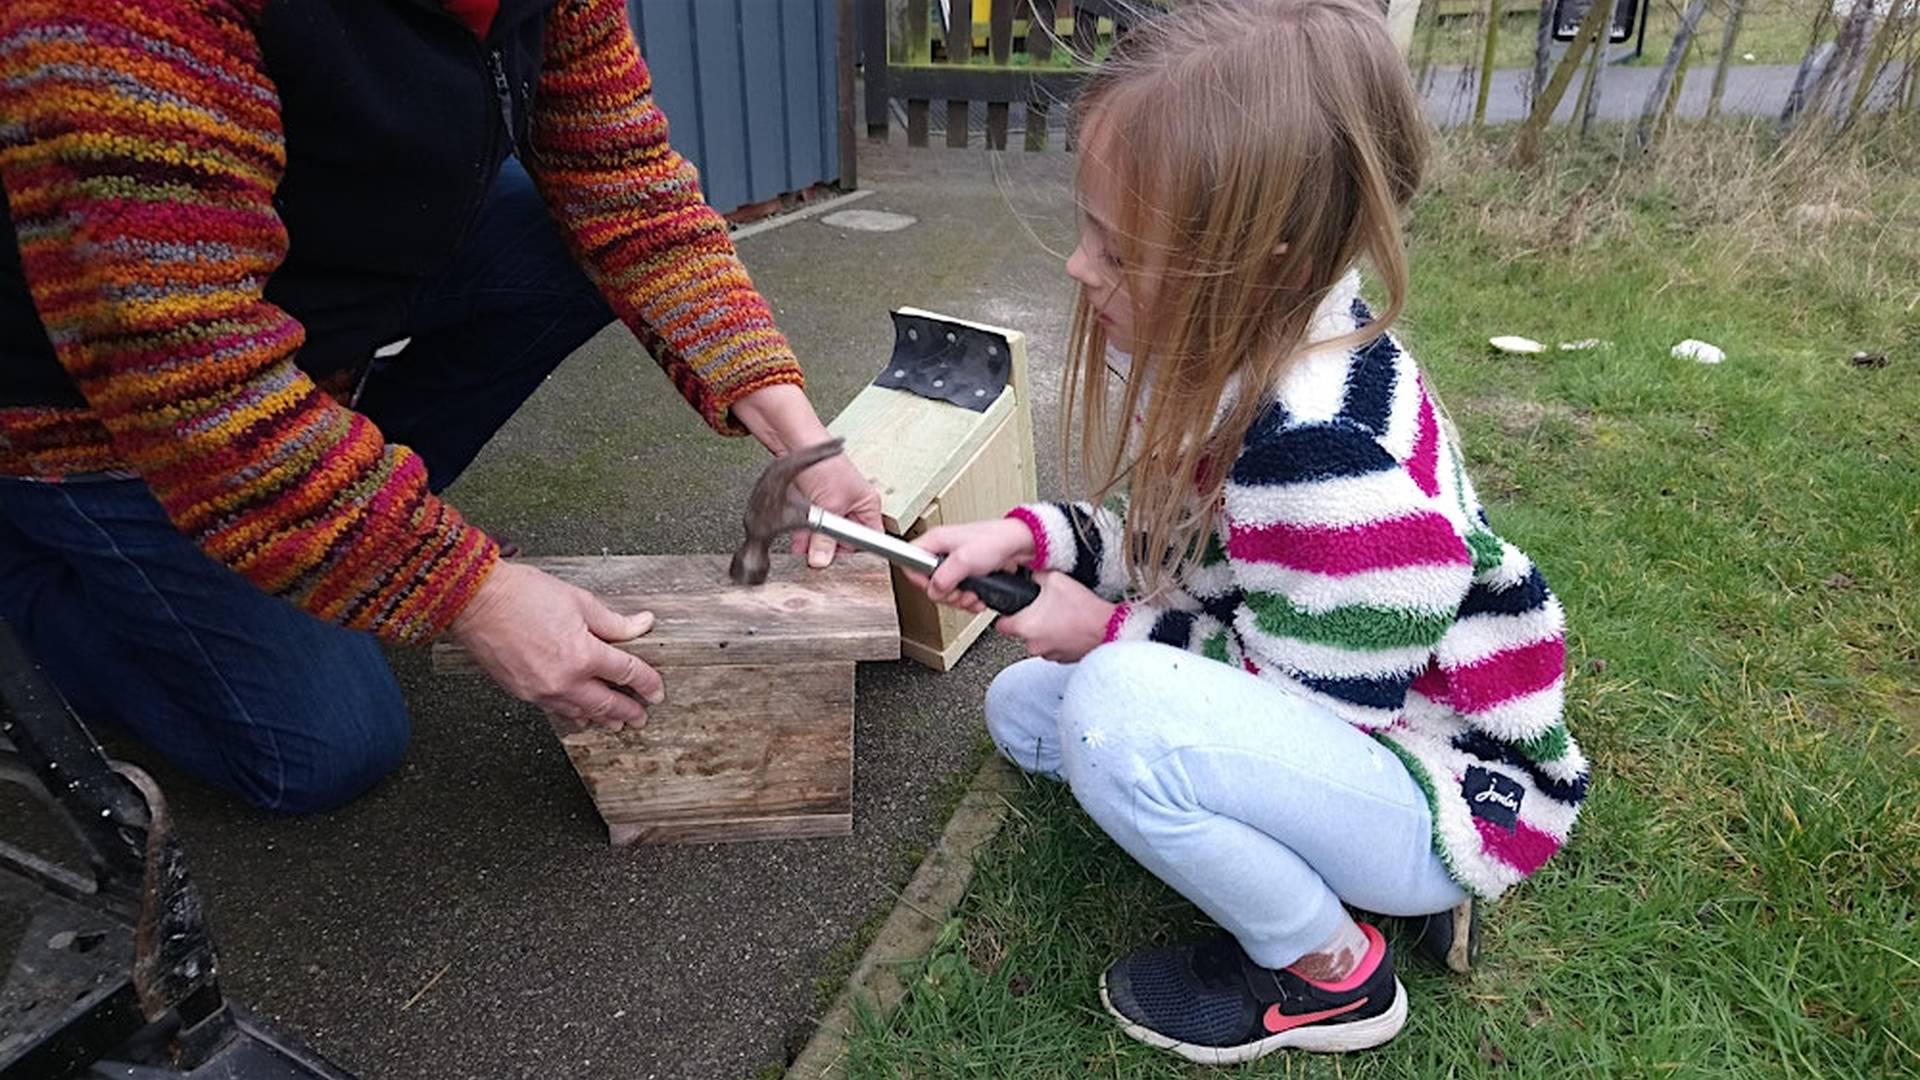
[397,118]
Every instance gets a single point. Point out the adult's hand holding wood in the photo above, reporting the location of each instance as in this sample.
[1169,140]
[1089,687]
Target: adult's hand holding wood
[546,642]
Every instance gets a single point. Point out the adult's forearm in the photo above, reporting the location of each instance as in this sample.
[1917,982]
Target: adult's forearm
[140,167]
[634,212]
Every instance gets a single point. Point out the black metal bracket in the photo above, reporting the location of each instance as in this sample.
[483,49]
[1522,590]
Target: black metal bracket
[946,361]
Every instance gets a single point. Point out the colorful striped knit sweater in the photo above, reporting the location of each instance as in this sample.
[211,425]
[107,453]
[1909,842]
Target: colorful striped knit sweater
[151,290]
[1352,564]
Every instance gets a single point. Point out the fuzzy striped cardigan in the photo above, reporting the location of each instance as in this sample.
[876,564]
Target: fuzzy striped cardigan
[140,148]
[1352,564]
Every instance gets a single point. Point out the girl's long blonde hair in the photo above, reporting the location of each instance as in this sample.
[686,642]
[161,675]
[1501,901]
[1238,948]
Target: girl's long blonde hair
[1261,149]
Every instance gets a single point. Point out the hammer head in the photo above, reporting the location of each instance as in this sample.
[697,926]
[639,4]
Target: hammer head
[773,508]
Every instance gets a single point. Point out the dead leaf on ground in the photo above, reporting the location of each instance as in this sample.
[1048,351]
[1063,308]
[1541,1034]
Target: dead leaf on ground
[1596,666]
[1839,581]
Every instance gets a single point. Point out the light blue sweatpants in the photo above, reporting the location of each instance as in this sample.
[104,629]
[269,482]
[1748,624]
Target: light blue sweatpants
[1262,808]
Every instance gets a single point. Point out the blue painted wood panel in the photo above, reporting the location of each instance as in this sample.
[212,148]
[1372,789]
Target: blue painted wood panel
[749,90]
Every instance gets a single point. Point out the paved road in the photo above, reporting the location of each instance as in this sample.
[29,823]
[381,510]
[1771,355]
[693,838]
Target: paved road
[1752,90]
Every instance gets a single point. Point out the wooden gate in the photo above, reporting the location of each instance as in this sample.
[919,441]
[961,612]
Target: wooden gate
[998,53]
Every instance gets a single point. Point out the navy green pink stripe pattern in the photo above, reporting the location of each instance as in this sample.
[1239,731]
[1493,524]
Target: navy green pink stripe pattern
[1353,565]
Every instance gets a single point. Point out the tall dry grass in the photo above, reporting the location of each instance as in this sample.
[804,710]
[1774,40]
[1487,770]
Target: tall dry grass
[1724,198]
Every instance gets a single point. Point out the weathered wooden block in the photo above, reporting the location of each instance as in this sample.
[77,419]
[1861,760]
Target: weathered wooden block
[935,463]
[755,739]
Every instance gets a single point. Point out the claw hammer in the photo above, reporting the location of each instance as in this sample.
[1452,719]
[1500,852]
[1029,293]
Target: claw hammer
[774,507]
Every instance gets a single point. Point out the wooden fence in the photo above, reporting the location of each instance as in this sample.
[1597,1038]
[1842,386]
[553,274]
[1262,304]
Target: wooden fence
[1033,53]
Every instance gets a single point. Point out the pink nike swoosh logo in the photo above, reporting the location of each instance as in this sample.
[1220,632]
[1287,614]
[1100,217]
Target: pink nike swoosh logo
[1278,1021]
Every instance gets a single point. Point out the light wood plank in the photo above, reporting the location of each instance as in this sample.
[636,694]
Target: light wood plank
[844,612]
[722,831]
[910,448]
[991,483]
[731,747]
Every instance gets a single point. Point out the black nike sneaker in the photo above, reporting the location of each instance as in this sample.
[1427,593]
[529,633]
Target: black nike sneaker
[1211,1003]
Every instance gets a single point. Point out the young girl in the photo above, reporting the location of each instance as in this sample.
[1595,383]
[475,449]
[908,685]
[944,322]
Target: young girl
[1296,668]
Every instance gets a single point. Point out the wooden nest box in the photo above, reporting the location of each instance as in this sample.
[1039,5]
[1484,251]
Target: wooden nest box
[935,461]
[755,739]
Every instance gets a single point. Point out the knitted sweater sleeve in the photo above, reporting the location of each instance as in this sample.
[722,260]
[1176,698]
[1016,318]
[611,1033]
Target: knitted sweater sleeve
[632,209]
[140,145]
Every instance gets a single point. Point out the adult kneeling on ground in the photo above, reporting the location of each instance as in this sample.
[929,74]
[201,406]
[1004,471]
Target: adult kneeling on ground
[219,466]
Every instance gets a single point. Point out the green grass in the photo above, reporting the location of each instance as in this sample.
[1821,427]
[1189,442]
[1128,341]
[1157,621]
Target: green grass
[1738,547]
[1774,31]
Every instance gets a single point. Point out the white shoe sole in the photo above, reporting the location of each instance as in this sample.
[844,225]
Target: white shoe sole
[1315,1038]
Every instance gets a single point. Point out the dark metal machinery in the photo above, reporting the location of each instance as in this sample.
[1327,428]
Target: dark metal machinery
[116,974]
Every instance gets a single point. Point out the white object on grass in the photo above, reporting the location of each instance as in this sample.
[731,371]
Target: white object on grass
[1699,351]
[1519,345]
[1584,344]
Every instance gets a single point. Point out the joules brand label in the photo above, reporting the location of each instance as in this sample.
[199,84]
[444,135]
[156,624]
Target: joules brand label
[1493,797]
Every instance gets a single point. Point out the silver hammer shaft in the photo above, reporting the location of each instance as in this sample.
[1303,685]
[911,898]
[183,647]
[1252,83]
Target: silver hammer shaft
[871,541]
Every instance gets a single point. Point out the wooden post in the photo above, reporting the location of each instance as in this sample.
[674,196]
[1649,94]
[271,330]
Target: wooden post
[882,35]
[1040,14]
[1671,78]
[1911,77]
[1876,62]
[1000,44]
[959,51]
[916,48]
[1527,150]
[1813,98]
[1803,73]
[1542,50]
[1735,9]
[1486,64]
[1590,87]
[1429,35]
[1672,106]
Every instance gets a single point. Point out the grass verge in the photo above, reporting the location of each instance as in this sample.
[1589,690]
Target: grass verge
[1738,547]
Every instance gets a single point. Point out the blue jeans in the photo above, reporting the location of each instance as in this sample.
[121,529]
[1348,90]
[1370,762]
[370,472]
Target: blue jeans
[141,629]
[1262,808]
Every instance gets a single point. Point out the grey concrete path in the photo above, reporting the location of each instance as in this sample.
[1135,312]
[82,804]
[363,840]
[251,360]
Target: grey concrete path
[467,919]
